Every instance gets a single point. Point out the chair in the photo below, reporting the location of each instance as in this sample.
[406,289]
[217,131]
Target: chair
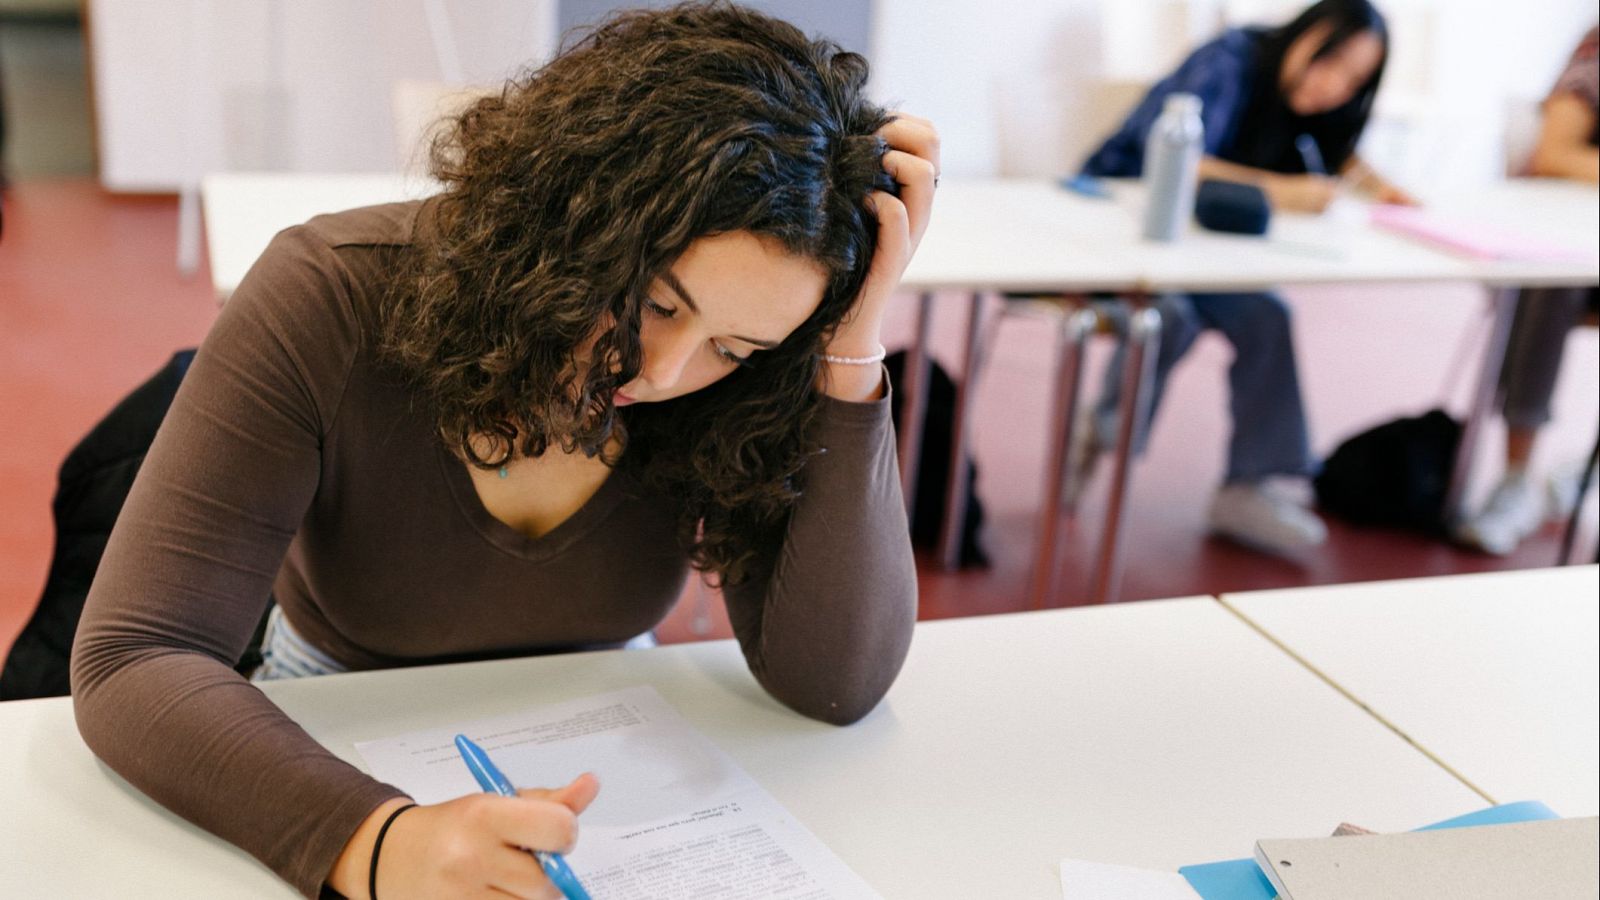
[1076,318]
[1107,103]
[1569,539]
[93,483]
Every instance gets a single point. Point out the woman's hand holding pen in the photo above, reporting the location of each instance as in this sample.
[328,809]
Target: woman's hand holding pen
[1300,193]
[1365,179]
[473,846]
[1314,193]
[912,160]
[1384,192]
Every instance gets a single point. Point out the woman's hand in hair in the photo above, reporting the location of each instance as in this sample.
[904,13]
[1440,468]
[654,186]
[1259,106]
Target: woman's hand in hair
[467,847]
[1301,193]
[913,161]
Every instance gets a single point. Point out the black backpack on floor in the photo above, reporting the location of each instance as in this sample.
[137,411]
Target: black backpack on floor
[1395,474]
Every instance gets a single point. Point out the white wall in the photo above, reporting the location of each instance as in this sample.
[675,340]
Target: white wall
[845,22]
[998,79]
[184,86]
[187,86]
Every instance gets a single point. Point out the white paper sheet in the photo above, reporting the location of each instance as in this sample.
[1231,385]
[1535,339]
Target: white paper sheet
[676,817]
[1102,881]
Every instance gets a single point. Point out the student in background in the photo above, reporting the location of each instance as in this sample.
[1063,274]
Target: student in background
[1568,147]
[1283,109]
[638,332]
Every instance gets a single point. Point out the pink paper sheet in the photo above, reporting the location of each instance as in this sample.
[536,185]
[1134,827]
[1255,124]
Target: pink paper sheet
[1470,238]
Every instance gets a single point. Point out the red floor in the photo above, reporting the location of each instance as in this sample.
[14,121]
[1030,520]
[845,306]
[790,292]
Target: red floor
[91,303]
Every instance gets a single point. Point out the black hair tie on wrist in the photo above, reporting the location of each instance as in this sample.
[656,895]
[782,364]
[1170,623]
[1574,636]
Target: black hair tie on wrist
[377,845]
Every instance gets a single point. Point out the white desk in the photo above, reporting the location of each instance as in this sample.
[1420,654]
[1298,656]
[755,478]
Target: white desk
[1561,213]
[243,210]
[1497,675]
[1154,734]
[1025,235]
[1029,235]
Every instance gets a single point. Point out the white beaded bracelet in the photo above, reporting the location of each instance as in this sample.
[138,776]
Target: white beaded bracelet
[856,360]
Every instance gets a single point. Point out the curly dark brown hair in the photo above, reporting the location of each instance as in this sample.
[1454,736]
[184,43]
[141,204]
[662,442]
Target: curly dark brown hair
[568,193]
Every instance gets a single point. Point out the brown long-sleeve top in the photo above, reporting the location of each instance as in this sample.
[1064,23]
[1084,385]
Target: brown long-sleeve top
[293,466]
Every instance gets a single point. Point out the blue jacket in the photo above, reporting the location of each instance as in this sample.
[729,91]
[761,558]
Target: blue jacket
[1221,73]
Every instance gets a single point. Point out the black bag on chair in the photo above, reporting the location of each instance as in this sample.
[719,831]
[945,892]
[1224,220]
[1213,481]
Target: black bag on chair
[933,465]
[1395,474]
[93,483]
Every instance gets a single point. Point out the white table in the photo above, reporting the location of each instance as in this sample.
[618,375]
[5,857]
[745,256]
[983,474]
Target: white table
[1154,734]
[1028,235]
[1496,675]
[1023,235]
[243,210]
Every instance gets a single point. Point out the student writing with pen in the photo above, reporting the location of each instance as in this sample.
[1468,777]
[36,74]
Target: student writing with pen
[1282,108]
[637,333]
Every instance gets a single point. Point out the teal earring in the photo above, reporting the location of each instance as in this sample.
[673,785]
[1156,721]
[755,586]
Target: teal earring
[503,472]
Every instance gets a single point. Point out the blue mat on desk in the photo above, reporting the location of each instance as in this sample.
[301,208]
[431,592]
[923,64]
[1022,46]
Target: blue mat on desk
[1241,879]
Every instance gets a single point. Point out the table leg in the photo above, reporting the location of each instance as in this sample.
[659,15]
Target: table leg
[189,230]
[1138,386]
[1494,358]
[1072,334]
[955,504]
[914,402]
[1569,538]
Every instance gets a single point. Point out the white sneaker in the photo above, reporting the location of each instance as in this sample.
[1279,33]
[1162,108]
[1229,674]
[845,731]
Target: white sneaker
[1561,491]
[1258,516]
[1514,511]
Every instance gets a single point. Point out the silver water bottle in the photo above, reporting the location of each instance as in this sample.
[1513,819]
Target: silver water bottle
[1171,163]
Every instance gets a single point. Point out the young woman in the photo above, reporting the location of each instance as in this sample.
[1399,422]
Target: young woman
[637,332]
[1568,147]
[1283,109]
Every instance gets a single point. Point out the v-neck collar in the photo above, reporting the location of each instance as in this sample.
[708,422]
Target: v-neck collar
[508,539]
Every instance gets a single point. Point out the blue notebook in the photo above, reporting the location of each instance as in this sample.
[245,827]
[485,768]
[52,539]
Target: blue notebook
[1241,879]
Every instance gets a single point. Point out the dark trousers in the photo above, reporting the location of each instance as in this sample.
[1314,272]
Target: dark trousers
[1534,350]
[1270,433]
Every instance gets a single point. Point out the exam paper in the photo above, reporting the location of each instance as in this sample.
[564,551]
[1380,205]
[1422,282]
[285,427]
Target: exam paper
[676,817]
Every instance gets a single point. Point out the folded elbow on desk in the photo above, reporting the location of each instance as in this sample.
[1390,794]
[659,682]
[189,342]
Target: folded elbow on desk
[105,694]
[835,691]
[94,723]
[850,690]
[844,707]
[90,667]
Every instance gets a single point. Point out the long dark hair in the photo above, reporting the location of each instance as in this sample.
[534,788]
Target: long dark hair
[1267,132]
[568,193]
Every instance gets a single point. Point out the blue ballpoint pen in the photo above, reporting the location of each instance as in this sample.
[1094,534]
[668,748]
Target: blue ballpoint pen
[490,779]
[1311,154]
